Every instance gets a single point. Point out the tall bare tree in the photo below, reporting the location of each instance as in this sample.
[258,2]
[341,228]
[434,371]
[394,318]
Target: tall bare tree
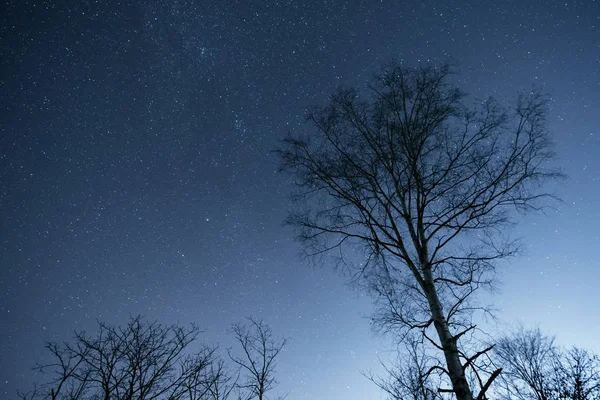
[260,349]
[142,360]
[425,186]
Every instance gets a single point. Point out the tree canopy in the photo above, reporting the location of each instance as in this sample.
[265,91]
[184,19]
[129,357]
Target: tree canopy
[425,185]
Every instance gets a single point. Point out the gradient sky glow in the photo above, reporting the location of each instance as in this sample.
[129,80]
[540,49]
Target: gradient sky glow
[136,173]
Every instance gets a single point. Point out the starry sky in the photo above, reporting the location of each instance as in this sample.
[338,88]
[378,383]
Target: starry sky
[137,173]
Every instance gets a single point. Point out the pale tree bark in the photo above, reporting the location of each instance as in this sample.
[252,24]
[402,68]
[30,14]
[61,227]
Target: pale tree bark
[425,186]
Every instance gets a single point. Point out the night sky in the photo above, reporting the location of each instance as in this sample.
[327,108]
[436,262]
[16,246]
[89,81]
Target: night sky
[137,173]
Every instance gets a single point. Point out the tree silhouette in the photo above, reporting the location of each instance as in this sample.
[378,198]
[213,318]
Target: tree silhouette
[424,185]
[410,376]
[536,369]
[578,374]
[143,361]
[260,349]
[528,359]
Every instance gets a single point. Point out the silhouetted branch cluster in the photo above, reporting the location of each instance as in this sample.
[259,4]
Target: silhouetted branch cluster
[412,376]
[528,366]
[536,369]
[150,361]
[260,348]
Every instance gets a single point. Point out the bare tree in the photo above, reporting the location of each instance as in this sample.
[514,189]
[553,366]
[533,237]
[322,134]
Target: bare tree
[425,186]
[221,384]
[536,369]
[143,360]
[528,359]
[260,349]
[578,375]
[410,376]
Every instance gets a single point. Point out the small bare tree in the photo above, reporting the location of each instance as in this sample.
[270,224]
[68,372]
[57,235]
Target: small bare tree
[425,186]
[143,360]
[578,375]
[260,349]
[536,369]
[528,359]
[410,376]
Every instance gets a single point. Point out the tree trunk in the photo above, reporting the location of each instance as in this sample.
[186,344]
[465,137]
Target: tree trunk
[460,386]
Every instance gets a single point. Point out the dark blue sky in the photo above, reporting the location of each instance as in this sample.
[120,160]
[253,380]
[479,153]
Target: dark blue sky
[136,173]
